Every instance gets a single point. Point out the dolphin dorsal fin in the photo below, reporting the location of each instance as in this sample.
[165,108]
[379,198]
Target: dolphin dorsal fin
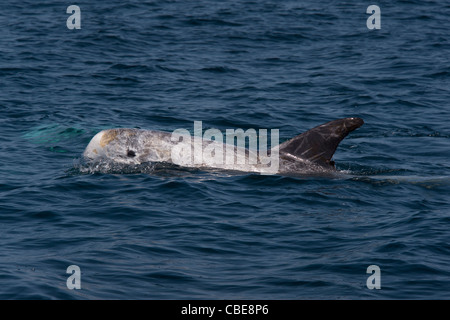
[319,144]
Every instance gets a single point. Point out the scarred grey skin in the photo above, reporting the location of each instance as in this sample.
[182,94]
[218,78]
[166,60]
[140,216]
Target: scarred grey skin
[309,152]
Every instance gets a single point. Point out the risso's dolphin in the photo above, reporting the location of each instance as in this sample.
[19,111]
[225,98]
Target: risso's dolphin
[307,153]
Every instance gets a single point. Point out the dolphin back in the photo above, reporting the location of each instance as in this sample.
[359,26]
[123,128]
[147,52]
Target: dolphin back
[319,144]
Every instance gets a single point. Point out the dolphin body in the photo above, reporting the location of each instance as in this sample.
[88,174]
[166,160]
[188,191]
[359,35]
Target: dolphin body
[307,153]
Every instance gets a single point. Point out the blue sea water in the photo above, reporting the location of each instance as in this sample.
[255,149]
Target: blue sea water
[191,234]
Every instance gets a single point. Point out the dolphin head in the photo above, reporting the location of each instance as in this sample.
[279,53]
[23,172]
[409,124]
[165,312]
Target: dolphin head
[114,144]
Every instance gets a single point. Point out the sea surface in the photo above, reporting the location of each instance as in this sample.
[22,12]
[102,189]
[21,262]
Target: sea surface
[192,234]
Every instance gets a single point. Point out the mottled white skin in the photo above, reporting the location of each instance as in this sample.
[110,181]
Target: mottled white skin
[136,146]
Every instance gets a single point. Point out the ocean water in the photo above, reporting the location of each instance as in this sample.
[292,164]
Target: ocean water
[193,234]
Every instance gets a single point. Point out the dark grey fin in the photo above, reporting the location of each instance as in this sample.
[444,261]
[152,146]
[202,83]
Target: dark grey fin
[319,144]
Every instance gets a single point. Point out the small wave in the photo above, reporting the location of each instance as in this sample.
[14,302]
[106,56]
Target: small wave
[132,67]
[82,166]
[217,22]
[52,133]
[109,167]
[428,182]
[219,69]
